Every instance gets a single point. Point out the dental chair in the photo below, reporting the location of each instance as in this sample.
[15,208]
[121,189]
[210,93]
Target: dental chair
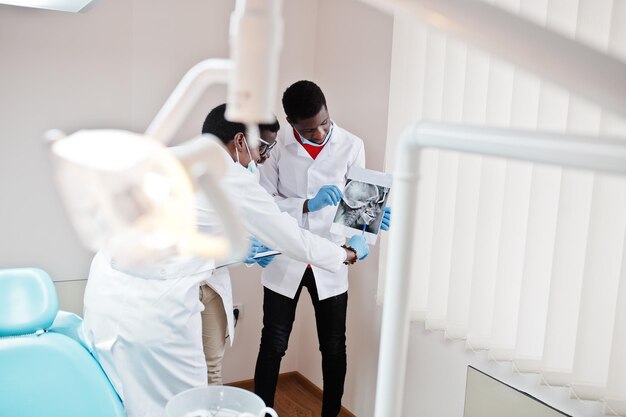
[45,367]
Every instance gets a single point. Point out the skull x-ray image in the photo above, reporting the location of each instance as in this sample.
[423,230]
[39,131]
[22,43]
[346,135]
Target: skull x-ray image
[360,210]
[362,206]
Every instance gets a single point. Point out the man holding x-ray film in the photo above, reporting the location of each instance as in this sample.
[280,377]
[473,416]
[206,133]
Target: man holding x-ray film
[304,175]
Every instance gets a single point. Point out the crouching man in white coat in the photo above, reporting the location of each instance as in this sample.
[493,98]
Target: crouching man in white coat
[145,326]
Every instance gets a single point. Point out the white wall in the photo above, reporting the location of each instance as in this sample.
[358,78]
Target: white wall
[437,370]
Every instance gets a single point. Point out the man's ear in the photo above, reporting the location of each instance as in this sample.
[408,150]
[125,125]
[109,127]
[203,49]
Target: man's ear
[239,141]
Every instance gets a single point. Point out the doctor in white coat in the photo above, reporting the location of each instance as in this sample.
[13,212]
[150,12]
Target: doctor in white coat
[306,173]
[144,326]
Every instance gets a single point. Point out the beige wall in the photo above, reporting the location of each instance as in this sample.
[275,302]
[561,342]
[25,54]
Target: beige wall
[70,295]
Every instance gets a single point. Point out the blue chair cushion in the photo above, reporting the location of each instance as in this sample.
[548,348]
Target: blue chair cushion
[71,326]
[28,301]
[51,375]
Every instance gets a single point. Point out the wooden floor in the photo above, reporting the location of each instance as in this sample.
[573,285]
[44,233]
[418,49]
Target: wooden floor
[296,396]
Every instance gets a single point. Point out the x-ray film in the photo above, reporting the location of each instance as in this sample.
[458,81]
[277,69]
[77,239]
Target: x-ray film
[361,208]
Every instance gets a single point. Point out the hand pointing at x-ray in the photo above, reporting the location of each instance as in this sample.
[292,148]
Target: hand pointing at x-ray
[327,195]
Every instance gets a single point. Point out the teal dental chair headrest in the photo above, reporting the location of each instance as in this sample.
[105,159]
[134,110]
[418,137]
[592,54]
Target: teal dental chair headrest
[45,368]
[28,301]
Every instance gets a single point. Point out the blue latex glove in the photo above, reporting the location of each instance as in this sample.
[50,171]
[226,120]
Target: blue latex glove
[358,243]
[255,247]
[386,219]
[326,196]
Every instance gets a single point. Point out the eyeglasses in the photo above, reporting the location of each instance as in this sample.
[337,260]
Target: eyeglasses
[265,147]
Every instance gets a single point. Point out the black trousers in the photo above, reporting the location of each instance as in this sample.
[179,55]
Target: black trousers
[278,316]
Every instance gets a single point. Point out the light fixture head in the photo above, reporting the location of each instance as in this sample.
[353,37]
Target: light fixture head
[128,194]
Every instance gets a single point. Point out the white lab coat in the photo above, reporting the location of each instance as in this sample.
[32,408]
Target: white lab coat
[145,326]
[292,176]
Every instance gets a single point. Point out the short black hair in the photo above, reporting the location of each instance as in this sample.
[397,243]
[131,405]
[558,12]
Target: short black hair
[302,100]
[216,124]
[272,127]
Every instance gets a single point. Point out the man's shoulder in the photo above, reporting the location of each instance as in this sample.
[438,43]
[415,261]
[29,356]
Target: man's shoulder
[286,144]
[347,135]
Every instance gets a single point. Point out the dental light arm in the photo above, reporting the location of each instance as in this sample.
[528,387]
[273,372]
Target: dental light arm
[256,31]
[185,96]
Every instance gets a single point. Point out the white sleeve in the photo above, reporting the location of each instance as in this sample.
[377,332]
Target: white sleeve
[206,221]
[269,181]
[276,229]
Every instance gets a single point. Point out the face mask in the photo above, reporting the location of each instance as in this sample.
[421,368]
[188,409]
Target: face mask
[309,142]
[252,168]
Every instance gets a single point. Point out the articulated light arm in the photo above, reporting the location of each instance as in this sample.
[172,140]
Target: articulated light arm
[256,31]
[572,151]
[185,96]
